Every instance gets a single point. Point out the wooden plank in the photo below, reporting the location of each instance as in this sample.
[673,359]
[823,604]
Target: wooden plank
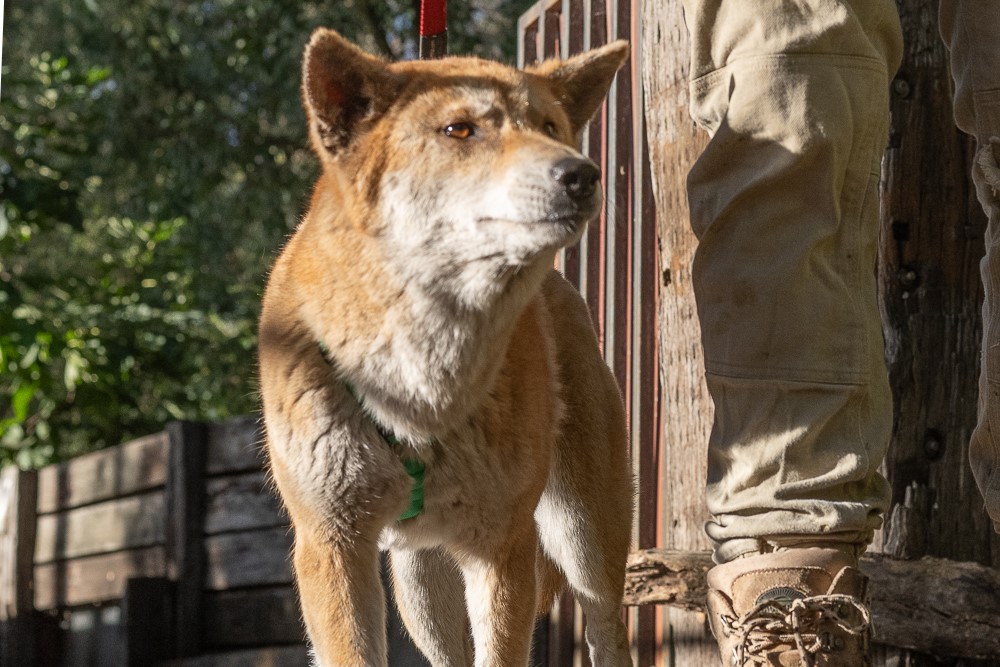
[147,611]
[235,445]
[254,617]
[95,578]
[242,502]
[278,656]
[931,605]
[646,389]
[113,525]
[135,466]
[185,553]
[251,558]
[269,616]
[18,493]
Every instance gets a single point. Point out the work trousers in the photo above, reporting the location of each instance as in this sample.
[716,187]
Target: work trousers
[784,201]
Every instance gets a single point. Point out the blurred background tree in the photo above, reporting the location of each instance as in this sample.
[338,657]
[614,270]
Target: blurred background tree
[153,157]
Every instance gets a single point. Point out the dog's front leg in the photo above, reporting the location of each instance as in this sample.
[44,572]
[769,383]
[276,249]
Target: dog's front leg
[500,592]
[342,600]
[340,483]
[429,595]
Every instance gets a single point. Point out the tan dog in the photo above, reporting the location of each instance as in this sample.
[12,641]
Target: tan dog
[414,320]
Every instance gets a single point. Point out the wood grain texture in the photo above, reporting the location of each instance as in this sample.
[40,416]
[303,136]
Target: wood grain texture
[674,145]
[112,525]
[933,230]
[249,558]
[235,445]
[139,465]
[18,491]
[95,579]
[242,502]
[932,241]
[253,617]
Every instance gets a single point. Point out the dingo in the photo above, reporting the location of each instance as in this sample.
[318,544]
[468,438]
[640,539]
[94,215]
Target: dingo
[420,358]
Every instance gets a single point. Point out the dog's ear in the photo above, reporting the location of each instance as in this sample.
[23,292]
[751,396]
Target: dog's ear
[342,88]
[581,82]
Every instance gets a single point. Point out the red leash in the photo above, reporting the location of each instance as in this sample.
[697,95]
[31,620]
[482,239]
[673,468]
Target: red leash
[433,29]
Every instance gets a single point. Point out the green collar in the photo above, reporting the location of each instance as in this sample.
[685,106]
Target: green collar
[414,467]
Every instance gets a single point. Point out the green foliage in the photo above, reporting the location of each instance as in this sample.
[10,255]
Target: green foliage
[153,158]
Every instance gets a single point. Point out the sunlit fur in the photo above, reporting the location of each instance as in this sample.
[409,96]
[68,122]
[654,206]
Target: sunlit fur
[424,267]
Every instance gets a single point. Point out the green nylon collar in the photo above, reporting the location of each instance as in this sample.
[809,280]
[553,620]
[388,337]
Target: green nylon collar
[414,467]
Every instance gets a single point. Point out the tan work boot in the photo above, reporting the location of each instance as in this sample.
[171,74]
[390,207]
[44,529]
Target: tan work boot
[795,608]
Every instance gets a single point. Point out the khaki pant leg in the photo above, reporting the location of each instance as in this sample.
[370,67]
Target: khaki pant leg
[971,30]
[784,201]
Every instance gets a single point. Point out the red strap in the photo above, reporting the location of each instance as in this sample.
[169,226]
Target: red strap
[432,17]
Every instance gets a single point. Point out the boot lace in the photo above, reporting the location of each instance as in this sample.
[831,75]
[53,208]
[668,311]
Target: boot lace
[806,625]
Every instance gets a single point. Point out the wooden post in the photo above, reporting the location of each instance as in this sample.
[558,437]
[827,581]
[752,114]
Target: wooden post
[933,231]
[148,618]
[18,502]
[185,533]
[674,144]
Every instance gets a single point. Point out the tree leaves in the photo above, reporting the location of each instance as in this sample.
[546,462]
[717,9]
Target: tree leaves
[153,158]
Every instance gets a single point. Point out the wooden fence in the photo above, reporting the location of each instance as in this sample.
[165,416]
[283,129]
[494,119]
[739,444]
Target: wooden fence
[615,267]
[170,549]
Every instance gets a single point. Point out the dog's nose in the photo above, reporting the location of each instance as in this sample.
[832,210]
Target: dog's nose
[578,175]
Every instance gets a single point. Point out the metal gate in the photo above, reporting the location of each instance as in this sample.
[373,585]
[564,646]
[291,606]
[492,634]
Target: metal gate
[615,267]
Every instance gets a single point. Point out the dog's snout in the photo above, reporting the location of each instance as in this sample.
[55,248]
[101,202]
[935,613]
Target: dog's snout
[578,176]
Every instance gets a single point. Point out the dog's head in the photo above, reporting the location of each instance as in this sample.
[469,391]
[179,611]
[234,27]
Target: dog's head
[466,165]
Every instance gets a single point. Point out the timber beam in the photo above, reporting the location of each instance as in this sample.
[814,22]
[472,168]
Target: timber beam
[932,605]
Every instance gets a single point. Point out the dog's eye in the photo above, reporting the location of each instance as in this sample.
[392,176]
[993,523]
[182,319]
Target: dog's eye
[459,130]
[550,129]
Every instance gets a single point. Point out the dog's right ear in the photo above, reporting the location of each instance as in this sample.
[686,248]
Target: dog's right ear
[343,89]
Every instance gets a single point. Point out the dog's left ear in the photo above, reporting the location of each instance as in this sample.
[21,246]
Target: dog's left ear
[581,82]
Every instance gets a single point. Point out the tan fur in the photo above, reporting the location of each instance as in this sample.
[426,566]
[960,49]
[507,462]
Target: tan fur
[423,265]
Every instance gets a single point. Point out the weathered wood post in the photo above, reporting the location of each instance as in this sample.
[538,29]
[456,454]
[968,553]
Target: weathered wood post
[148,620]
[18,631]
[185,531]
[932,241]
[674,144]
